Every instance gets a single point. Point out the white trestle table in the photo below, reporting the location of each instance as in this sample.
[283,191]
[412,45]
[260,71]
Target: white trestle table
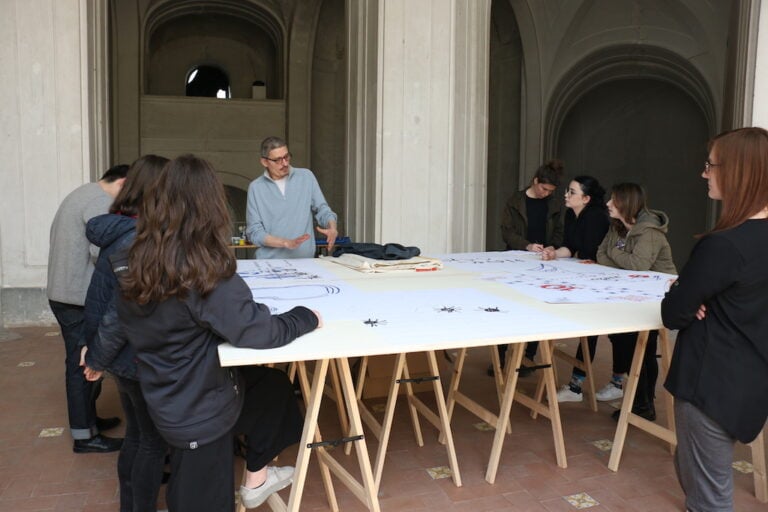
[476,300]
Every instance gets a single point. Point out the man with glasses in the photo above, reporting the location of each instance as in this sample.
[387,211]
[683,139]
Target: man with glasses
[281,203]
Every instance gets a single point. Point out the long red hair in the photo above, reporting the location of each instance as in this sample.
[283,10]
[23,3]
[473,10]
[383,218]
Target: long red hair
[741,173]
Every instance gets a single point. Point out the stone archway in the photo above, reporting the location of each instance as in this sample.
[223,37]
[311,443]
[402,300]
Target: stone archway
[642,115]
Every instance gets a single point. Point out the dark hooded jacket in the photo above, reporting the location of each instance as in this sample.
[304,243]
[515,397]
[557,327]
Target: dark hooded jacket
[111,233]
[193,400]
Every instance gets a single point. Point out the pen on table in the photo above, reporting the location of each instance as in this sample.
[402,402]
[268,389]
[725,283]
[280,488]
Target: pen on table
[426,269]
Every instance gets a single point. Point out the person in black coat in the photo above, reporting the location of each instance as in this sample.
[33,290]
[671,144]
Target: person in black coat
[179,299]
[719,369]
[142,455]
[586,223]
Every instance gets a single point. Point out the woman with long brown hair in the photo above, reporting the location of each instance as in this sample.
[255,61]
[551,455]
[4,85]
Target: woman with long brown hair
[719,370]
[141,460]
[636,240]
[180,299]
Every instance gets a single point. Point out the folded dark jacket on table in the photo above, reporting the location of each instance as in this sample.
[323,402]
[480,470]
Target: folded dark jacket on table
[378,252]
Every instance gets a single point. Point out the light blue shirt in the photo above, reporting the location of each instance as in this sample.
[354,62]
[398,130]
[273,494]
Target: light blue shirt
[269,212]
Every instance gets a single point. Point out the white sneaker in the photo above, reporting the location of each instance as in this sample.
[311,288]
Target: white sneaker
[609,392]
[277,479]
[566,394]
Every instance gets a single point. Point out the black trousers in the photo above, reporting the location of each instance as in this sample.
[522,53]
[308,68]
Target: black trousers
[530,351]
[202,480]
[592,345]
[142,456]
[81,394]
[623,350]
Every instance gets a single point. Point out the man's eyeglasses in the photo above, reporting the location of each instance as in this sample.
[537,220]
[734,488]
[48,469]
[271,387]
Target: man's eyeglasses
[708,166]
[285,158]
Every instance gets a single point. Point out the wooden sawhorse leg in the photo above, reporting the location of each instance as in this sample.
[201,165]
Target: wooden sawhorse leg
[551,410]
[627,417]
[758,467]
[311,440]
[440,420]
[508,396]
[585,366]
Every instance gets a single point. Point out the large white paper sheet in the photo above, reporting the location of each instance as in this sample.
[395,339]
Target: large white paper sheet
[563,281]
[332,299]
[489,261]
[276,272]
[449,315]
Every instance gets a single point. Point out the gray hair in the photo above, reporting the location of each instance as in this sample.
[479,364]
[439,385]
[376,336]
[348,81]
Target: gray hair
[271,143]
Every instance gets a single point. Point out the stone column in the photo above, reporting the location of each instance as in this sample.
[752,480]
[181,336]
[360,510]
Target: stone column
[427,178]
[44,118]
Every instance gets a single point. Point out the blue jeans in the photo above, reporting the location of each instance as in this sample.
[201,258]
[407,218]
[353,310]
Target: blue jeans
[142,457]
[81,394]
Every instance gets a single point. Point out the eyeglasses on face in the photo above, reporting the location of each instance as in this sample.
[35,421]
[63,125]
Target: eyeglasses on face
[571,192]
[285,158]
[708,166]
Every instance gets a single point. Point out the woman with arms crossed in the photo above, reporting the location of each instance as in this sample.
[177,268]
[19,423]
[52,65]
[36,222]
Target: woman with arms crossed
[180,298]
[719,370]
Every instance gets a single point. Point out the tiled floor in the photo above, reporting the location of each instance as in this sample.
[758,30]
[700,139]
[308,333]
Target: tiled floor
[42,474]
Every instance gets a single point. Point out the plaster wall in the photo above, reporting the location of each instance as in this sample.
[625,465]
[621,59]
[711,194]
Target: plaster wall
[228,133]
[237,47]
[328,103]
[433,84]
[44,142]
[557,35]
[416,98]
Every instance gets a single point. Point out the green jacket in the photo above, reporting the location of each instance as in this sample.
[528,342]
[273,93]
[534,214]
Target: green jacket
[514,221]
[644,248]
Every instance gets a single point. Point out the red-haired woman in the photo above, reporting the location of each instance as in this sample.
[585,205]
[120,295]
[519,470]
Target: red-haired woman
[719,371]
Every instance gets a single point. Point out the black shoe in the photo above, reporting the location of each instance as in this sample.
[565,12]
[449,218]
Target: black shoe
[644,411]
[104,424]
[97,444]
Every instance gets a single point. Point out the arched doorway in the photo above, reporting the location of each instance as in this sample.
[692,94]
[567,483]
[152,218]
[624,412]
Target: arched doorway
[642,115]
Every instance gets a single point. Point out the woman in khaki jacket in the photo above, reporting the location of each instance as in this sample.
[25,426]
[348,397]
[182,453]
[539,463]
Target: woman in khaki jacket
[637,240]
